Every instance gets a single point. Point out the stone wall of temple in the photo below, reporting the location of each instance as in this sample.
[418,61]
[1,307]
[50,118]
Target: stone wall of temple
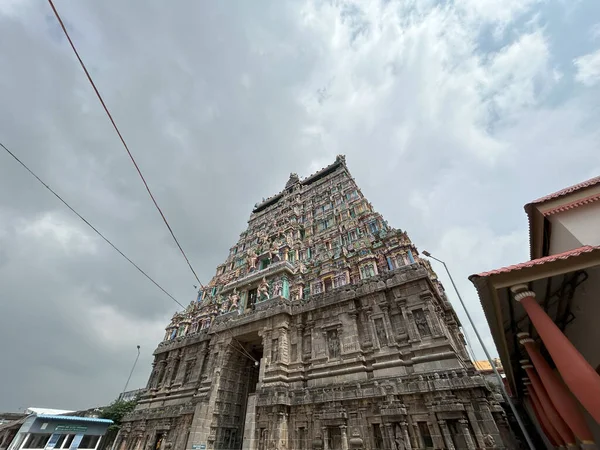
[323,329]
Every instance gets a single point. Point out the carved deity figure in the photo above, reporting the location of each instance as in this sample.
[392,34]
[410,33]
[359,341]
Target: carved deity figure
[191,308]
[234,299]
[398,441]
[421,323]
[489,440]
[274,250]
[301,268]
[277,289]
[224,306]
[251,259]
[263,290]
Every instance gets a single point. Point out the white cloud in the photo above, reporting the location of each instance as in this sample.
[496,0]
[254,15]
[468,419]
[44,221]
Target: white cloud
[51,228]
[588,68]
[442,108]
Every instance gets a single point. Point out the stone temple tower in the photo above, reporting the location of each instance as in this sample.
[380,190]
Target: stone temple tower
[323,329]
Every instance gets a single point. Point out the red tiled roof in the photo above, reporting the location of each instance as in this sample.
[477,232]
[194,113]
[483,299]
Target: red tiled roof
[539,261]
[573,205]
[569,190]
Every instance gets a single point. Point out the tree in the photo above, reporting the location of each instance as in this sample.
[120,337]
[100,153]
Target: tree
[117,410]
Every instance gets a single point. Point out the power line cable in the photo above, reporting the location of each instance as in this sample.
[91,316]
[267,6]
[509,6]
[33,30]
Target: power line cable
[89,224]
[89,77]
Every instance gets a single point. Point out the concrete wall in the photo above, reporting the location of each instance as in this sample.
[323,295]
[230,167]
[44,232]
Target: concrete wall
[581,223]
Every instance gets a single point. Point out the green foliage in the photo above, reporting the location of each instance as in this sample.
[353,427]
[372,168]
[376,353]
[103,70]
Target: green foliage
[117,410]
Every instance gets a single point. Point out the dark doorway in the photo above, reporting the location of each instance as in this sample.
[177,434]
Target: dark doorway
[425,434]
[334,436]
[239,377]
[251,299]
[158,441]
[328,284]
[377,437]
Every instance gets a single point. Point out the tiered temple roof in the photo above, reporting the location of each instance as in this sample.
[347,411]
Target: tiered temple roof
[317,235]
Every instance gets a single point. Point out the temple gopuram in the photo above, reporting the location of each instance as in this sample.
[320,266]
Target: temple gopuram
[323,329]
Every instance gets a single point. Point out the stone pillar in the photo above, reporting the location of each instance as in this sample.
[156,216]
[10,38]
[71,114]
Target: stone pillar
[181,373]
[405,436]
[199,366]
[581,378]
[389,329]
[446,434]
[325,438]
[436,327]
[475,426]
[418,440]
[352,336]
[160,374]
[282,431]
[543,420]
[563,429]
[558,393]
[343,428]
[411,327]
[464,425]
[388,437]
[368,338]
[284,348]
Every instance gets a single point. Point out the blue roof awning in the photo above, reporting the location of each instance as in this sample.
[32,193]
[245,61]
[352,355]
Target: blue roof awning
[74,418]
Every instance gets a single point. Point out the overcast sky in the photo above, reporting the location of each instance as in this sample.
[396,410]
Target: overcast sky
[452,115]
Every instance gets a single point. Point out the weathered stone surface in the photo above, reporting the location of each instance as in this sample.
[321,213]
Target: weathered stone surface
[323,329]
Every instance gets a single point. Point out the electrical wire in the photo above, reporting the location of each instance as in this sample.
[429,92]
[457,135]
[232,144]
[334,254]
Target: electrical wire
[89,77]
[89,224]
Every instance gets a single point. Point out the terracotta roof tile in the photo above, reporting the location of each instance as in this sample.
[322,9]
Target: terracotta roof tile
[573,205]
[569,190]
[540,261]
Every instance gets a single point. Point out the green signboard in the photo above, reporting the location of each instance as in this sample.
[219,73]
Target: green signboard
[198,446]
[71,428]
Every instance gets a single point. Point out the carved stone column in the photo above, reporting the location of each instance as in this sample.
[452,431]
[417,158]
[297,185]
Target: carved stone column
[282,431]
[181,373]
[353,337]
[405,436]
[325,438]
[300,340]
[434,321]
[159,380]
[418,440]
[411,327]
[199,367]
[464,424]
[368,337]
[388,324]
[344,431]
[476,428]
[388,436]
[284,351]
[446,434]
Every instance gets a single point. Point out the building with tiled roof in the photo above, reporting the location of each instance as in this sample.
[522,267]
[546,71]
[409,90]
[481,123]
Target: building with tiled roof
[543,315]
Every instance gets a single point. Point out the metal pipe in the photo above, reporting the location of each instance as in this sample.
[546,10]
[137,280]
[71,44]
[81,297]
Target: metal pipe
[131,373]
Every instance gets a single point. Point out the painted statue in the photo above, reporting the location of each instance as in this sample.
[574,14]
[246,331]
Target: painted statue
[274,250]
[251,259]
[234,299]
[263,290]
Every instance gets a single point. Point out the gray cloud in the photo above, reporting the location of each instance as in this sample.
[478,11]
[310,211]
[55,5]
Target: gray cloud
[219,102]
